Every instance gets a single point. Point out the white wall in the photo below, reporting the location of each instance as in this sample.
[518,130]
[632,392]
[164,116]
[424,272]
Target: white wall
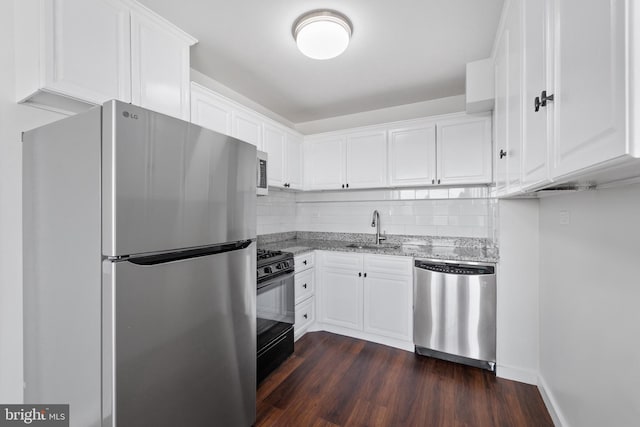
[517,297]
[13,120]
[590,306]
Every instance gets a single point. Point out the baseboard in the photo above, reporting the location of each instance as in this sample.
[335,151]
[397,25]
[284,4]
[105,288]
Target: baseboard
[551,403]
[391,342]
[517,374]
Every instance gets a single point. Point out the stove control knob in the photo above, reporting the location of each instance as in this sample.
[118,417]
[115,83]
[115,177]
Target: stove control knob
[267,270]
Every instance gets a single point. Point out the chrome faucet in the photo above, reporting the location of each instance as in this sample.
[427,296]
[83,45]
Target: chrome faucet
[375,222]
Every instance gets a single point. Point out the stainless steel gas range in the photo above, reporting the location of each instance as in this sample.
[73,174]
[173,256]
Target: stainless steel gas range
[275,307]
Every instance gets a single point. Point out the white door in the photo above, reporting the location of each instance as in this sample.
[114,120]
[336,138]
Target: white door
[589,75]
[160,68]
[388,306]
[464,150]
[412,156]
[87,49]
[341,293]
[247,127]
[367,160]
[274,144]
[208,110]
[324,164]
[535,143]
[293,161]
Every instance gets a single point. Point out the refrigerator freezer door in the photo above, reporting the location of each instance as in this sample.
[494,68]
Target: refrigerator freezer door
[168,184]
[179,341]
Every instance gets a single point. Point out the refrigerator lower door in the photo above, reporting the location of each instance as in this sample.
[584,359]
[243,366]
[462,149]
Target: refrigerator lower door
[179,341]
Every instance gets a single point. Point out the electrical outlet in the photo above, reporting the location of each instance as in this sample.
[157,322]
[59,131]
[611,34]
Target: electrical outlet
[565,217]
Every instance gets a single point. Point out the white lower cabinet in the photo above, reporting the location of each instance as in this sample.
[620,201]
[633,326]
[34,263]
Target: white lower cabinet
[367,296]
[304,293]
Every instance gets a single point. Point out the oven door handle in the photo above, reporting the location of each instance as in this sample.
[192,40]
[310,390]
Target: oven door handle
[274,282]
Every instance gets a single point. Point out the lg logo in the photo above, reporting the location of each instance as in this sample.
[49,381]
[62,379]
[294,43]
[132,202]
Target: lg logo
[130,115]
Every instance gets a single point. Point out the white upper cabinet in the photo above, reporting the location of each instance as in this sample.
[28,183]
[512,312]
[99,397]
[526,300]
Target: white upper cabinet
[275,146]
[366,158]
[210,111]
[412,155]
[247,126]
[589,75]
[285,157]
[160,69]
[464,150]
[324,160]
[574,68]
[71,54]
[294,162]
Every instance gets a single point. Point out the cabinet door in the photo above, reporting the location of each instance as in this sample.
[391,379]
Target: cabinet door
[293,161]
[589,76]
[160,69]
[500,115]
[367,160]
[412,156]
[210,111]
[248,127]
[75,48]
[324,164]
[535,147]
[464,150]
[341,295]
[274,144]
[388,296]
[388,306]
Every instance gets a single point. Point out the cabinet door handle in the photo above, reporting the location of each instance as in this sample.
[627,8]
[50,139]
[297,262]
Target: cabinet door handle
[365,274]
[359,274]
[304,262]
[347,185]
[503,153]
[433,181]
[544,98]
[305,316]
[304,286]
[342,185]
[438,181]
[536,104]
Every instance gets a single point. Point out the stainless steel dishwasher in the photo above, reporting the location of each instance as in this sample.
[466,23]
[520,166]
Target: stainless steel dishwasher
[454,312]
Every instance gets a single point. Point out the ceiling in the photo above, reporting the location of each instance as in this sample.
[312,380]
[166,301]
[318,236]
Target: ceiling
[401,52]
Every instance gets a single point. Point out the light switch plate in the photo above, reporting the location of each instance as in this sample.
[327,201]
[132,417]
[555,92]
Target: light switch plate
[565,217]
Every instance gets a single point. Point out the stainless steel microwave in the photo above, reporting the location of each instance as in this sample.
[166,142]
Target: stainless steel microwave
[261,174]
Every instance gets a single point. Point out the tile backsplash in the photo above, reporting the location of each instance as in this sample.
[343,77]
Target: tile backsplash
[443,212]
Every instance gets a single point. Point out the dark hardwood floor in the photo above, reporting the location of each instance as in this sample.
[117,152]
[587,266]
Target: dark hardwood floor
[333,380]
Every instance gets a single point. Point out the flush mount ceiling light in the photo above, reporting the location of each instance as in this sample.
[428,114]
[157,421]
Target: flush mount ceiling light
[322,34]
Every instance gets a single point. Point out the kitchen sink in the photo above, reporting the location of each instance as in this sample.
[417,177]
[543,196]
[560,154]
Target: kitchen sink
[372,246]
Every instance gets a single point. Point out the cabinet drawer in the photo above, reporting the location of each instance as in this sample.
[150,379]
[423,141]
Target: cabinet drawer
[304,261]
[305,314]
[305,285]
[388,264]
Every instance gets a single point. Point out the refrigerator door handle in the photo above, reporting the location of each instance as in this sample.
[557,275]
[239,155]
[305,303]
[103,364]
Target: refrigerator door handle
[189,253]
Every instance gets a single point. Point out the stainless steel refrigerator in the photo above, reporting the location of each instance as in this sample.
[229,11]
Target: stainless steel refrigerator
[139,270]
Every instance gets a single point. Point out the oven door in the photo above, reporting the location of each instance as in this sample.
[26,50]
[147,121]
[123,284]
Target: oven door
[275,309]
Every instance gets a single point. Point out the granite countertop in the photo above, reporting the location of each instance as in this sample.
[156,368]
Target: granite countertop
[452,253]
